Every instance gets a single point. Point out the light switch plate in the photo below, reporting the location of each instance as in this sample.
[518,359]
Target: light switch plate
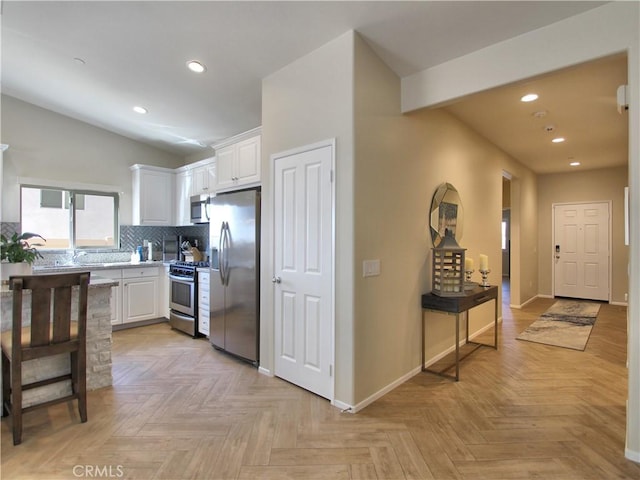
[370,268]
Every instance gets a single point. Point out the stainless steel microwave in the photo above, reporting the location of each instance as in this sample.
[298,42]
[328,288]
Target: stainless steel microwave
[199,209]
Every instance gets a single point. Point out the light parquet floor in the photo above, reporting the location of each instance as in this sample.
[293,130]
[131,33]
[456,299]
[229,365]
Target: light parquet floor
[180,410]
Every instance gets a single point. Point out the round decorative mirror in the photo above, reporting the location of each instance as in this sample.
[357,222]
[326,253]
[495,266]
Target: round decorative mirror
[446,214]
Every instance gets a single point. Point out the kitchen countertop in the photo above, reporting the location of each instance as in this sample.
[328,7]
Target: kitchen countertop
[39,270]
[95,281]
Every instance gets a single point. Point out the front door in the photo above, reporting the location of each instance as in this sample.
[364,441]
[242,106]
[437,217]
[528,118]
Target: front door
[581,251]
[303,268]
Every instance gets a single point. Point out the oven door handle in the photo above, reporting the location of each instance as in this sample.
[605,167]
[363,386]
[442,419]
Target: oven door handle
[182,316]
[181,279]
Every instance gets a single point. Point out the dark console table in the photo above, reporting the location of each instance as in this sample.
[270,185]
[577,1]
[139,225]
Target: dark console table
[455,306]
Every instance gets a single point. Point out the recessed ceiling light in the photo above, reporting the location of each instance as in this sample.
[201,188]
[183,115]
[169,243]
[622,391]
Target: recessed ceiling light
[196,66]
[140,110]
[558,140]
[529,97]
[574,164]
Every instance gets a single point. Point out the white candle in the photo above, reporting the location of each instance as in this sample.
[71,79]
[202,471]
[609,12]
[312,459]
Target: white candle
[468,264]
[484,262]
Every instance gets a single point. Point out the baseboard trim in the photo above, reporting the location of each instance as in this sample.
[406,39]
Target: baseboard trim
[380,393]
[632,455]
[440,356]
[412,373]
[518,307]
[345,407]
[265,371]
[142,323]
[620,304]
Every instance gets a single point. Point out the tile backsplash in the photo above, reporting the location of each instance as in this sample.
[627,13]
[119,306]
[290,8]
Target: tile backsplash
[130,237]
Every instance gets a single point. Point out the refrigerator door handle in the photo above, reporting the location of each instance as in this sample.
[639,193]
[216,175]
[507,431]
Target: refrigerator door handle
[227,246]
[221,254]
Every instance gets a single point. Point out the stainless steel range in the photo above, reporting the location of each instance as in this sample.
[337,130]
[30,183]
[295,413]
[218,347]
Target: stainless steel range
[183,298]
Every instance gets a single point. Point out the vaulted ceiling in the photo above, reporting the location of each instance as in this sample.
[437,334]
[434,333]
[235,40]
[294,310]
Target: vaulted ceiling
[94,61]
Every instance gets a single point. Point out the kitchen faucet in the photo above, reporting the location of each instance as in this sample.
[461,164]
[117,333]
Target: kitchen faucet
[77,254]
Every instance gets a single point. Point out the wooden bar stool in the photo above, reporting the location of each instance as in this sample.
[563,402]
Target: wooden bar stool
[46,335]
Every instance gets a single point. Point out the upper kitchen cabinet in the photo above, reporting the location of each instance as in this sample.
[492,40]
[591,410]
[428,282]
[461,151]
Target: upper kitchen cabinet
[184,179]
[153,195]
[238,164]
[203,176]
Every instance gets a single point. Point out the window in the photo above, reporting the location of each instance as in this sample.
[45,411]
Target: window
[70,218]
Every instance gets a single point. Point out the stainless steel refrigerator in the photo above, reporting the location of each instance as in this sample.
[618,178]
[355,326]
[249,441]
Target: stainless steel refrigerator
[234,241]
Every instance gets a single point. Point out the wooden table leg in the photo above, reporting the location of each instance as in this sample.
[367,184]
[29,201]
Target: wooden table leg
[495,326]
[423,345]
[457,347]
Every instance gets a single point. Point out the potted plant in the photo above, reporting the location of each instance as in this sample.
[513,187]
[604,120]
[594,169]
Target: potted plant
[17,254]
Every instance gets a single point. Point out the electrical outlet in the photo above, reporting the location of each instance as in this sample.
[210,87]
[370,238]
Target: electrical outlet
[370,268]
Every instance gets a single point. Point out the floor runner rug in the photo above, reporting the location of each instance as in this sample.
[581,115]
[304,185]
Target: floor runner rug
[567,324]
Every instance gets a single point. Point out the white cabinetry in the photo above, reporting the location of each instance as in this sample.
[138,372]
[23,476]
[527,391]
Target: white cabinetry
[204,177]
[140,294]
[184,179]
[203,303]
[116,293]
[238,164]
[153,195]
[163,298]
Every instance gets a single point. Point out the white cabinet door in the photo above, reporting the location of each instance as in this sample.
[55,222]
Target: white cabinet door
[248,161]
[211,175]
[204,179]
[183,192]
[225,158]
[200,181]
[203,303]
[140,294]
[140,299]
[238,165]
[116,293]
[153,195]
[163,297]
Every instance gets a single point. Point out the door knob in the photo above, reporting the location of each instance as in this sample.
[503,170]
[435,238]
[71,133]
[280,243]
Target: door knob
[276,279]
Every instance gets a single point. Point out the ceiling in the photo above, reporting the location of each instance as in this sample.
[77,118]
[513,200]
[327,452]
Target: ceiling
[577,103]
[135,53]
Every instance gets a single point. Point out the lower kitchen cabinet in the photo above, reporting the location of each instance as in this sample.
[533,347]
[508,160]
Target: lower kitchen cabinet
[116,293]
[140,292]
[203,303]
[165,292]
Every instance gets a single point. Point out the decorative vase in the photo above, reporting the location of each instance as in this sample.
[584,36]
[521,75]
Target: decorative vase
[8,269]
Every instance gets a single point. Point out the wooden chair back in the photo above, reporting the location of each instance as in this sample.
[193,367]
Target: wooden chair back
[50,326]
[48,330]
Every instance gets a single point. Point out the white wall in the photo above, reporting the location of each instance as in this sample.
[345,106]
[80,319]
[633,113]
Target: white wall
[47,145]
[308,101]
[388,167]
[603,31]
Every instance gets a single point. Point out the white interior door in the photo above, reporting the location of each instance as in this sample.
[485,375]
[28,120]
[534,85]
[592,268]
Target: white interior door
[303,268]
[581,251]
